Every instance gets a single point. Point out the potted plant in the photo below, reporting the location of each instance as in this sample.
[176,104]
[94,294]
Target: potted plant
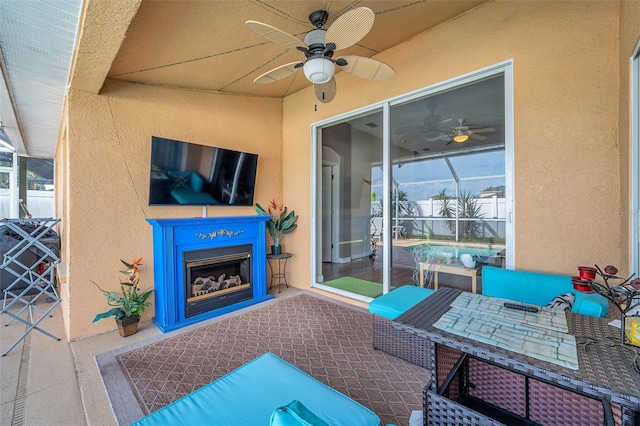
[282,222]
[130,303]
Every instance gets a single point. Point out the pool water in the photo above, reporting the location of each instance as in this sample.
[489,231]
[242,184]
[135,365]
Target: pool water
[451,251]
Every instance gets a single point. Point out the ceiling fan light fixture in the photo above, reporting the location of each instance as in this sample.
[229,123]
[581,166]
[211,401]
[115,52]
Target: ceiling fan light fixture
[460,138]
[319,70]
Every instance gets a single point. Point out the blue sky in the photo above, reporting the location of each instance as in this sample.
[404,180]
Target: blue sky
[424,179]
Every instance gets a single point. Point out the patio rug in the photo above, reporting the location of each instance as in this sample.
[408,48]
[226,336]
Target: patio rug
[330,340]
[357,286]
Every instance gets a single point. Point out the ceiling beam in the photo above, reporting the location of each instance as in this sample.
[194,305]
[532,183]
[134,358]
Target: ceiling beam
[103,28]
[8,112]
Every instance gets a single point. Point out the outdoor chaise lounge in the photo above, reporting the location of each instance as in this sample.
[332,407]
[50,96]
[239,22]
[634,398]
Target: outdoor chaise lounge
[250,394]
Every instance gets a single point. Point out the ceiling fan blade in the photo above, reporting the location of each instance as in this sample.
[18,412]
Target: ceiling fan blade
[442,122]
[484,130]
[279,73]
[325,92]
[367,68]
[273,34]
[412,137]
[408,129]
[435,135]
[477,137]
[350,28]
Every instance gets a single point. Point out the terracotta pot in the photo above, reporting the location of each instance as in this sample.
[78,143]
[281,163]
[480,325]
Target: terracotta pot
[128,325]
[587,272]
[582,284]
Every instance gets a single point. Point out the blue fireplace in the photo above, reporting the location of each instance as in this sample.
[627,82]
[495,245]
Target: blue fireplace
[206,267]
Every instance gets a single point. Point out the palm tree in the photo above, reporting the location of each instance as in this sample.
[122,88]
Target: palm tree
[467,207]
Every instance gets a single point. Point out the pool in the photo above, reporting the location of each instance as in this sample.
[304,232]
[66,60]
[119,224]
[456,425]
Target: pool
[453,251]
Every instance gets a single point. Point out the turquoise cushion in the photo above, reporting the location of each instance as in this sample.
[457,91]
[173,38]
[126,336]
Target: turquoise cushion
[529,287]
[398,301]
[188,196]
[295,414]
[196,182]
[539,288]
[251,393]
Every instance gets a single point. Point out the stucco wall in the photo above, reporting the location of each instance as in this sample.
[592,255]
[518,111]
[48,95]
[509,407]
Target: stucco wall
[567,80]
[565,110]
[109,151]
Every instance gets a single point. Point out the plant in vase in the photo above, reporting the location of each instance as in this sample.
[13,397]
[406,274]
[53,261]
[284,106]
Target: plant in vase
[129,303]
[282,221]
[623,295]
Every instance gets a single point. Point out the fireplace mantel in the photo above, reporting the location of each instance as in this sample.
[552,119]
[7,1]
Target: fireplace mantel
[173,237]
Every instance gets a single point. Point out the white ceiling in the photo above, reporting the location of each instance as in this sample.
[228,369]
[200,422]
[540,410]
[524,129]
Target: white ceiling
[195,45]
[37,39]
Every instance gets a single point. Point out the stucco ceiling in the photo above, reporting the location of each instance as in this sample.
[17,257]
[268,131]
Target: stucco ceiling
[206,46]
[198,45]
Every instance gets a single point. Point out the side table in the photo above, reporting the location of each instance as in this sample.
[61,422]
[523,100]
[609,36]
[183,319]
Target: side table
[450,269]
[278,266]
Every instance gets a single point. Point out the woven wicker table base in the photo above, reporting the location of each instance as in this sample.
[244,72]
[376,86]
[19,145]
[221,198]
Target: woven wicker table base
[604,387]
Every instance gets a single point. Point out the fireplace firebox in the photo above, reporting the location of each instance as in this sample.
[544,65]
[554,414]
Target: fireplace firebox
[206,267]
[215,278]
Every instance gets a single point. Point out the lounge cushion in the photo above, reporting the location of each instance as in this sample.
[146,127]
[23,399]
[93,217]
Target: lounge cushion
[251,393]
[538,289]
[398,301]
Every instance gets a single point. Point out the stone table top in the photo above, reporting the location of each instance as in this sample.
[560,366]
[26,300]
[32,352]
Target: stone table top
[542,335]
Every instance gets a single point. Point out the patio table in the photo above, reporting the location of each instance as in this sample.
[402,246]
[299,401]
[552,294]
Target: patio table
[605,376]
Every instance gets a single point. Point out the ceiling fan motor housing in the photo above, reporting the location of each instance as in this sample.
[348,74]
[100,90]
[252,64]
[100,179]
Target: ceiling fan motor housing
[318,18]
[315,40]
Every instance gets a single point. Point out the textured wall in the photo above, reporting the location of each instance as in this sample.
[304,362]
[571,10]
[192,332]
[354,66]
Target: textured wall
[109,150]
[629,38]
[567,81]
[565,110]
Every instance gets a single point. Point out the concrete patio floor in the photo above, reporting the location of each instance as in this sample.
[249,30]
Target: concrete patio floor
[49,382]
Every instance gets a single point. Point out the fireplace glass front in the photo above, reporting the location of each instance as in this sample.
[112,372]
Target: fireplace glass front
[217,277]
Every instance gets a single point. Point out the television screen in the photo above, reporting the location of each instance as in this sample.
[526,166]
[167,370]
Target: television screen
[184,173]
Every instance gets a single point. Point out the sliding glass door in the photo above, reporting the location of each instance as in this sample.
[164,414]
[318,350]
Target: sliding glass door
[419,180]
[448,180]
[348,235]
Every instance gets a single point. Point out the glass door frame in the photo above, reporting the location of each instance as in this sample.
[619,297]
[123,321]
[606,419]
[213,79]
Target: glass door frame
[12,192]
[506,69]
[634,249]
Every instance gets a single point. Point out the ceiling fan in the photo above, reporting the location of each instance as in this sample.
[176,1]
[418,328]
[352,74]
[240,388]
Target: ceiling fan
[431,130]
[319,47]
[462,133]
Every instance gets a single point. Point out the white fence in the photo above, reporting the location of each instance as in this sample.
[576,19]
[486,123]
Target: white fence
[426,221]
[39,204]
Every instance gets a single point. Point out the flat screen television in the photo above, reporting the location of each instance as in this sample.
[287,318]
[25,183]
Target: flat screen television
[185,173]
